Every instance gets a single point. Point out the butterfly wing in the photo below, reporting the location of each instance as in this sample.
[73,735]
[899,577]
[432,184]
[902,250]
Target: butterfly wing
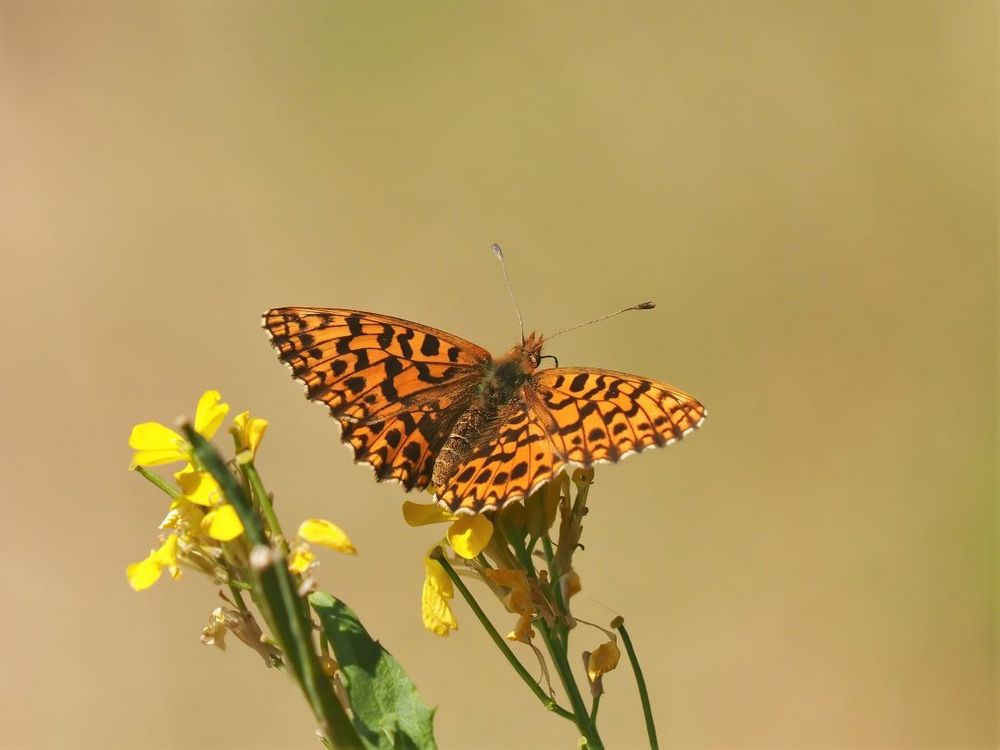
[509,463]
[396,387]
[568,416]
[602,415]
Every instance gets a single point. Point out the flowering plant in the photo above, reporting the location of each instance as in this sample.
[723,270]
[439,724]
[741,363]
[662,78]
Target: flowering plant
[221,523]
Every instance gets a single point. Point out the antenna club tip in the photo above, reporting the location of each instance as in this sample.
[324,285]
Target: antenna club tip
[496,250]
[645,306]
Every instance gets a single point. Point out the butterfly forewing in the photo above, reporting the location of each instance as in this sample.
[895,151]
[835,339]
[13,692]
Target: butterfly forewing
[396,387]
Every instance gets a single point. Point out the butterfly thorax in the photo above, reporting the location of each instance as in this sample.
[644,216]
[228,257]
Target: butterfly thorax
[501,384]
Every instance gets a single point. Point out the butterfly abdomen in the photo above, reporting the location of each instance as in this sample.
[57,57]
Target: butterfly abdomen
[463,438]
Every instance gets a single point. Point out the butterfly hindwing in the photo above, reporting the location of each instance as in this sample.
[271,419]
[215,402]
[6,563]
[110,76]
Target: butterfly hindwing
[514,460]
[395,386]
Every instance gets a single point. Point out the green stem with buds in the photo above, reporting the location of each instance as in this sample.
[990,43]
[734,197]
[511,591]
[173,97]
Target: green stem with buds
[498,639]
[557,650]
[286,613]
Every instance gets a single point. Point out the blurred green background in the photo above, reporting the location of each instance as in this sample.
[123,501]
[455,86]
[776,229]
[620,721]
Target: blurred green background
[806,189]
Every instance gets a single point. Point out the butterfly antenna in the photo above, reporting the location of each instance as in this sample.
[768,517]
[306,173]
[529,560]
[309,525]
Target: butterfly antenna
[499,253]
[640,306]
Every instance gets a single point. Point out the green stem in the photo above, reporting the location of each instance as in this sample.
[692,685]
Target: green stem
[593,708]
[263,501]
[158,481]
[498,639]
[285,612]
[647,711]
[555,585]
[238,597]
[583,722]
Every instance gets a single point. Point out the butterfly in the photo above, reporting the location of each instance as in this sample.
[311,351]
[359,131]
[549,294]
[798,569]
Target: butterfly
[427,408]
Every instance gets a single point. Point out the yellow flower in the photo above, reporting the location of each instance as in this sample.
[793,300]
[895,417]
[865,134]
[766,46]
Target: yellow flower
[199,487]
[327,534]
[143,574]
[301,559]
[222,523]
[602,660]
[468,535]
[434,600]
[249,432]
[155,444]
[317,531]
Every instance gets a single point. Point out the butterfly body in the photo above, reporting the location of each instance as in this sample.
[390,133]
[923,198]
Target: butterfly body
[501,385]
[427,408]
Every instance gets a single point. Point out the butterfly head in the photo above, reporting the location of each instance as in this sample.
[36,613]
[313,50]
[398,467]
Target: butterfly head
[528,354]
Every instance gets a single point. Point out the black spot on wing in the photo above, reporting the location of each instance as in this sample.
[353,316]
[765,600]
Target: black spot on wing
[430,346]
[384,339]
[577,383]
[403,340]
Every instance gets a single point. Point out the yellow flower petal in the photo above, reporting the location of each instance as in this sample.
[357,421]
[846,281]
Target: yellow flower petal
[469,535]
[603,659]
[210,413]
[143,574]
[421,514]
[251,431]
[434,608]
[436,577]
[223,523]
[199,487]
[323,532]
[301,559]
[155,444]
[166,555]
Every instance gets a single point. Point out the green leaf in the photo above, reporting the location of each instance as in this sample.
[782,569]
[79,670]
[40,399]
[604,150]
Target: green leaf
[388,711]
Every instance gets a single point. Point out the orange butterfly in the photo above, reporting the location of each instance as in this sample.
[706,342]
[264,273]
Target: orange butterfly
[425,407]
